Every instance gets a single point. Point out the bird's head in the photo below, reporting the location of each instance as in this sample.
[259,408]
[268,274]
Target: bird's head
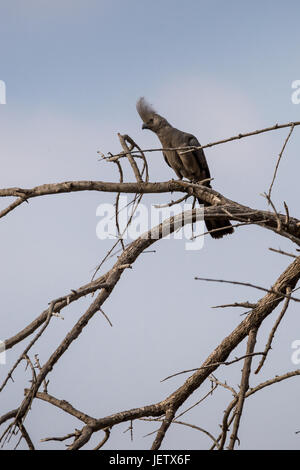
[151,120]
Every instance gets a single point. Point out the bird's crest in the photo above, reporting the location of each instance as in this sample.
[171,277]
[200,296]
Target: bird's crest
[144,109]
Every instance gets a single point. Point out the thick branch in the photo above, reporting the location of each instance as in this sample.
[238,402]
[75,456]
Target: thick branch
[232,209]
[265,306]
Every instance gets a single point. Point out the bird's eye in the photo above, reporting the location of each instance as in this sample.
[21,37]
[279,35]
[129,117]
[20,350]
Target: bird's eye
[151,121]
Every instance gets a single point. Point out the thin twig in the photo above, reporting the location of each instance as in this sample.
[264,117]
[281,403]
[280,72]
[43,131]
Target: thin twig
[273,331]
[243,387]
[279,223]
[247,284]
[237,304]
[104,314]
[279,158]
[132,162]
[104,440]
[225,363]
[218,142]
[61,439]
[283,252]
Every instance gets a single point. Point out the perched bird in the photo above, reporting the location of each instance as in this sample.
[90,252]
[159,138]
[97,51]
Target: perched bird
[191,165]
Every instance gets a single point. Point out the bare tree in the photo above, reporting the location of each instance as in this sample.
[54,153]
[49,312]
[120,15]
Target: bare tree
[165,412]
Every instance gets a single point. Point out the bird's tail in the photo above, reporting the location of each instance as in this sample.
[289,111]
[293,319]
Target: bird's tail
[218,227]
[221,226]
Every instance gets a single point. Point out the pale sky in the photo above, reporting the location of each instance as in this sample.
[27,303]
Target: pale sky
[73,72]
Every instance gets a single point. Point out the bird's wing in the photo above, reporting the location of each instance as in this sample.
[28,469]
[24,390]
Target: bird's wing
[166,160]
[200,157]
[193,162]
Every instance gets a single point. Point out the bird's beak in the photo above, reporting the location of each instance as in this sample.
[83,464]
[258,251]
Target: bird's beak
[144,126]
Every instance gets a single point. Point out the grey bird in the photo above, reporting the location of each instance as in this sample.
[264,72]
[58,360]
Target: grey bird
[191,165]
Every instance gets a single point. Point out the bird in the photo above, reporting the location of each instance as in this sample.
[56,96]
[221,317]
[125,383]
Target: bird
[191,165]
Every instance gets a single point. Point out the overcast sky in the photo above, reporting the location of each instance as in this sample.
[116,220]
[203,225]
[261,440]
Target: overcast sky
[73,72]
